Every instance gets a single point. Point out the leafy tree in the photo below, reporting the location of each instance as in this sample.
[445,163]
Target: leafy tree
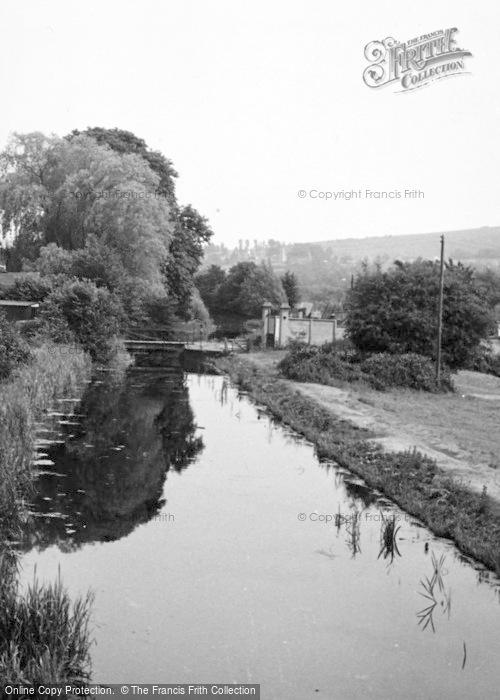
[125,142]
[396,311]
[247,286]
[291,286]
[230,289]
[96,262]
[489,281]
[58,191]
[191,231]
[209,284]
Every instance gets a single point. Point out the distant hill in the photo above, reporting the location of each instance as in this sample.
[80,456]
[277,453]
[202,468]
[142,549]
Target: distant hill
[469,244]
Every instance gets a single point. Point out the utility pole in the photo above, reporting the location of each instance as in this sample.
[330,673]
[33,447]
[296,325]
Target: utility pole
[440,316]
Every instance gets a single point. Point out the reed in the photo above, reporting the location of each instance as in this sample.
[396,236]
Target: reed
[388,537]
[32,389]
[43,637]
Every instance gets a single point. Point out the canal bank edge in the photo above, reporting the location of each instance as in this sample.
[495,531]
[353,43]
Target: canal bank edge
[415,481]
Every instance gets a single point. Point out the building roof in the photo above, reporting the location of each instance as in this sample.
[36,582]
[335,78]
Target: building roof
[16,302]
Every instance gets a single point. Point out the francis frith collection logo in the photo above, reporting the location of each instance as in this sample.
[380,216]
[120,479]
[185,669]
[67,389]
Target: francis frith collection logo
[415,63]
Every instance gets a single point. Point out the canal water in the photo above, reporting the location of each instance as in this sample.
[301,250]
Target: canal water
[221,550]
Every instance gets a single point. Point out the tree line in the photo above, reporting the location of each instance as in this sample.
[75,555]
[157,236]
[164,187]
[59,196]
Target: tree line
[245,287]
[96,214]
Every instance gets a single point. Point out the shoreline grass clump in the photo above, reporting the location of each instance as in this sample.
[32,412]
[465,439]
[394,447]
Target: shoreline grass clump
[410,479]
[43,637]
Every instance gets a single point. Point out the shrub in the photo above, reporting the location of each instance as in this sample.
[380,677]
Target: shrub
[484,360]
[408,370]
[28,289]
[333,362]
[78,310]
[308,363]
[13,349]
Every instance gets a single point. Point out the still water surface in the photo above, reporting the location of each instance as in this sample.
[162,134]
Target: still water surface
[201,525]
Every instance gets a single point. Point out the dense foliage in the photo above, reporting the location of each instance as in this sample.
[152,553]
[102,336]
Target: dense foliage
[396,311]
[190,231]
[242,290]
[336,362]
[78,310]
[100,205]
[13,349]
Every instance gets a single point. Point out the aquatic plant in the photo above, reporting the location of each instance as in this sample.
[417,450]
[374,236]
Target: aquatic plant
[43,637]
[353,529]
[388,537]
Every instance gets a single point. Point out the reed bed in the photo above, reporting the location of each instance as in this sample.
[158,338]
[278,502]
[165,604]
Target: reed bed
[55,371]
[44,638]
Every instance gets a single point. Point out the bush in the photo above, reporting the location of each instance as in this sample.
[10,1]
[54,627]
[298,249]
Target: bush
[337,361]
[486,361]
[28,289]
[13,349]
[78,310]
[308,363]
[408,370]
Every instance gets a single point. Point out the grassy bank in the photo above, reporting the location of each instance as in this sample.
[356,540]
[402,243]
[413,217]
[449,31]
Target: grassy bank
[412,480]
[56,371]
[43,638]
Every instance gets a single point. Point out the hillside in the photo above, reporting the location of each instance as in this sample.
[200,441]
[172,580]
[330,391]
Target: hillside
[469,244]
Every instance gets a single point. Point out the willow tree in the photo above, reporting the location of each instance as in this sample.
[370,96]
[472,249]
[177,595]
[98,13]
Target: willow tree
[68,192]
[190,230]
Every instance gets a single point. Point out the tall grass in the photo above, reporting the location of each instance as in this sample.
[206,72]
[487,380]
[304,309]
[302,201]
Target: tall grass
[43,637]
[56,370]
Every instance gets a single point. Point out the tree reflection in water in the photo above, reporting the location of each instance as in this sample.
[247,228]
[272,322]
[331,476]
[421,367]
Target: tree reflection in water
[108,476]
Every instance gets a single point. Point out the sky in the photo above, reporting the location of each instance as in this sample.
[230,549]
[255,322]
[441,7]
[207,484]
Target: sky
[256,101]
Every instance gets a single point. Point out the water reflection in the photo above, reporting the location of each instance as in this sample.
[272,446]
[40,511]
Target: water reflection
[113,461]
[388,537]
[435,593]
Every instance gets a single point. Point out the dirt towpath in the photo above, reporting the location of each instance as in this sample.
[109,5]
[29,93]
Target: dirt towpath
[460,431]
